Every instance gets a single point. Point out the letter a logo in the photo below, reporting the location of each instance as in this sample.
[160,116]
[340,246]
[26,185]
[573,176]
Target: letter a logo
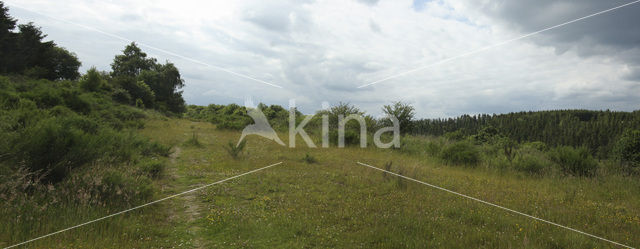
[261,126]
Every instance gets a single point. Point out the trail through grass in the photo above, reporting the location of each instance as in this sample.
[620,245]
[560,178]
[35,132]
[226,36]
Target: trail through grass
[336,203]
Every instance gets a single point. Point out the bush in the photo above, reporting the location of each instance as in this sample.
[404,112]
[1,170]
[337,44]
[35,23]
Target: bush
[309,159]
[461,153]
[627,151]
[122,96]
[433,149]
[235,150]
[574,161]
[152,168]
[193,140]
[121,189]
[91,81]
[530,164]
[454,135]
[54,146]
[537,145]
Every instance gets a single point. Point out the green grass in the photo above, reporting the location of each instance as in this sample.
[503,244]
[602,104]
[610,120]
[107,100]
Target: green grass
[335,202]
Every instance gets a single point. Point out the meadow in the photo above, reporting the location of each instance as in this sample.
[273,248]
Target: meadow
[78,149]
[321,197]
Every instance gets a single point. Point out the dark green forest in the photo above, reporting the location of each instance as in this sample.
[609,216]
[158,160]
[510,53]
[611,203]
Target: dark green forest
[596,130]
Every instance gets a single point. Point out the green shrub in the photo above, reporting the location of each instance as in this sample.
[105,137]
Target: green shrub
[118,188]
[55,145]
[235,150]
[193,140]
[231,125]
[309,159]
[537,145]
[433,148]
[121,95]
[92,81]
[530,164]
[461,153]
[454,135]
[351,137]
[152,168]
[627,151]
[152,148]
[574,161]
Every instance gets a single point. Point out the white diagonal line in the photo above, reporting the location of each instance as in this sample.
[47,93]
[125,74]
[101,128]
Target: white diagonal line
[495,45]
[149,46]
[144,205]
[498,206]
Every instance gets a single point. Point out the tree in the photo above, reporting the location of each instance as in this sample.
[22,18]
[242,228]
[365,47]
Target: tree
[132,62]
[63,64]
[162,80]
[627,151]
[7,38]
[25,52]
[403,112]
[91,81]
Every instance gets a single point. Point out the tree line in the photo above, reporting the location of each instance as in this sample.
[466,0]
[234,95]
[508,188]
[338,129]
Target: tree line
[596,130]
[135,79]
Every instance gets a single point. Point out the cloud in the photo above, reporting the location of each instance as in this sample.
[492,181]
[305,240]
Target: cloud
[322,50]
[369,2]
[615,34]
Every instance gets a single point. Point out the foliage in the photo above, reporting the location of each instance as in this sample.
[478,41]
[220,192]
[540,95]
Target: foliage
[157,85]
[24,52]
[531,164]
[574,161]
[52,128]
[595,130]
[309,159]
[235,150]
[152,168]
[193,140]
[461,153]
[91,81]
[627,151]
[403,112]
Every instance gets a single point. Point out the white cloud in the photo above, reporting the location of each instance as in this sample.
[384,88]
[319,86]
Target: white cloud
[323,50]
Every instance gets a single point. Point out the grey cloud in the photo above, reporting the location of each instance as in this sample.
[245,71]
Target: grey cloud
[369,2]
[374,26]
[612,34]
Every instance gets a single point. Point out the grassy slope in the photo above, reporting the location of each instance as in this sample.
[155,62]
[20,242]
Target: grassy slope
[337,203]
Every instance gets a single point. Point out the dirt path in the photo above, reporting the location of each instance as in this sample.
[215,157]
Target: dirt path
[189,205]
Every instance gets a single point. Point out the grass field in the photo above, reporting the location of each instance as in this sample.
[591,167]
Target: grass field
[335,202]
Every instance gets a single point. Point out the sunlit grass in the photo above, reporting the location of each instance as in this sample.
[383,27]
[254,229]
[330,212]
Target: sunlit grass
[335,202]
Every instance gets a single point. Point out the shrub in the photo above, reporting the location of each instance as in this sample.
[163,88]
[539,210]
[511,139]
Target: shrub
[574,161]
[54,146]
[91,81]
[309,159]
[530,164]
[454,135]
[231,125]
[351,137]
[235,150]
[193,140]
[152,168]
[121,189]
[432,148]
[461,153]
[152,148]
[537,145]
[627,151]
[121,95]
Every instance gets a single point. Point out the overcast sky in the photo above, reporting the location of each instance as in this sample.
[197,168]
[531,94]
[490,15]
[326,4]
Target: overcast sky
[323,50]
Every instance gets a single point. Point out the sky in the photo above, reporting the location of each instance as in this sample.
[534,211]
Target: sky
[318,50]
